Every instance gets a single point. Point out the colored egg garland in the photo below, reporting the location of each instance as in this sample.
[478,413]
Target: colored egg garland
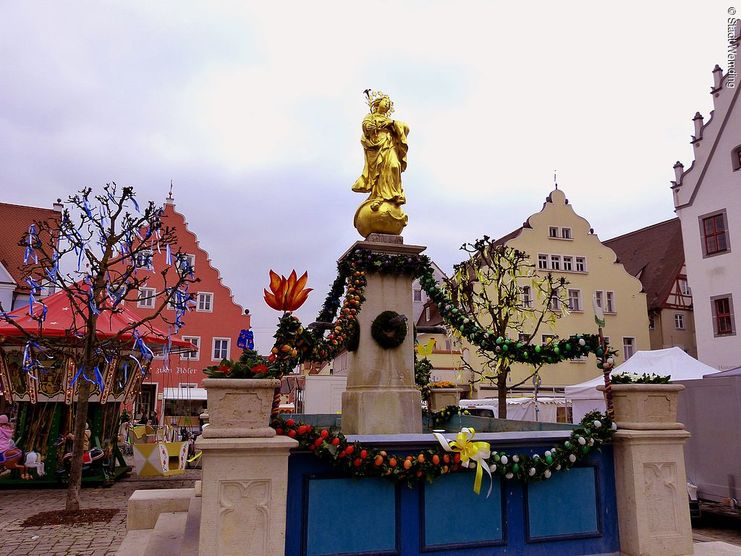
[295,344]
[358,460]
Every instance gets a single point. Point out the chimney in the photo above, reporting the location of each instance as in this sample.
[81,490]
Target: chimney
[717,78]
[697,120]
[678,170]
[58,206]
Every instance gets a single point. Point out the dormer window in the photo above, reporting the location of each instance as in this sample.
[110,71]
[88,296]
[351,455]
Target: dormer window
[566,233]
[553,231]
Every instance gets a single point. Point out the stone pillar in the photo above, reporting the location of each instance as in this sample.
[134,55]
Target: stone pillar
[651,484]
[381,397]
[243,492]
[244,482]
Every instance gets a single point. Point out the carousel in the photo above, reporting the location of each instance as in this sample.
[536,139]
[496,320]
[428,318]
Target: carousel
[39,401]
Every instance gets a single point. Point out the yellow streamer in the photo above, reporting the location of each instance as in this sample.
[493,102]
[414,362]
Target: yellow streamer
[472,453]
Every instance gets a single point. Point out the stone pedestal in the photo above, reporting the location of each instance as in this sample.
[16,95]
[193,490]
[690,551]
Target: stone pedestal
[440,398]
[381,397]
[243,491]
[650,479]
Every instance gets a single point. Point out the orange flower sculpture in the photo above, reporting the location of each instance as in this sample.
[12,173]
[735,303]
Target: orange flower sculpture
[287,294]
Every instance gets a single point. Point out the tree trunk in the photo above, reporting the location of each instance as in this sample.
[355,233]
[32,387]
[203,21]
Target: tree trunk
[502,392]
[75,474]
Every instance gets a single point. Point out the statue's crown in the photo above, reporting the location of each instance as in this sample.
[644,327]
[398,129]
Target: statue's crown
[375,96]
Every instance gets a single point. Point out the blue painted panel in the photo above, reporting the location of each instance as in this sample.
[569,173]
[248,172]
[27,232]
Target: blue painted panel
[351,516]
[445,523]
[564,505]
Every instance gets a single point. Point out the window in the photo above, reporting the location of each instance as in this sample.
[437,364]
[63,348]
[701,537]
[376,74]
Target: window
[554,303]
[195,354]
[556,262]
[542,261]
[548,338]
[628,347]
[524,338]
[598,298]
[417,295]
[581,264]
[143,259]
[146,298]
[651,322]
[566,233]
[736,158]
[714,234]
[568,263]
[448,345]
[427,313]
[679,321]
[684,287]
[575,300]
[527,300]
[723,321]
[221,349]
[553,231]
[205,302]
[610,302]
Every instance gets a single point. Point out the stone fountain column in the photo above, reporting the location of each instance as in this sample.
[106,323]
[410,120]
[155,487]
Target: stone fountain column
[381,397]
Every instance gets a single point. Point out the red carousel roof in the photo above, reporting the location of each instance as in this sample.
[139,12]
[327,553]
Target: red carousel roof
[60,322]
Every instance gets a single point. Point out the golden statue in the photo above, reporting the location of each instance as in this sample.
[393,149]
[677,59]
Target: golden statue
[385,143]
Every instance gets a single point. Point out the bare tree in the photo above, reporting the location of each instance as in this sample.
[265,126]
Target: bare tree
[500,291]
[95,254]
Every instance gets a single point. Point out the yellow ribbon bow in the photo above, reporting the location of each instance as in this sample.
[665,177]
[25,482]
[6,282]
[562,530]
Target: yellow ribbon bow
[472,454]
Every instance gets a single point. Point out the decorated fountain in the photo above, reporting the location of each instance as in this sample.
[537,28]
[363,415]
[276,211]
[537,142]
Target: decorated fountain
[282,489]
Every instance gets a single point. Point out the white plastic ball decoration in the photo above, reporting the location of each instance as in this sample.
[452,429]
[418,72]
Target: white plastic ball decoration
[515,458]
[611,361]
[493,467]
[504,460]
[591,441]
[572,458]
[547,453]
[536,456]
[558,467]
[531,471]
[582,342]
[547,474]
[509,476]
[597,424]
[613,426]
[581,441]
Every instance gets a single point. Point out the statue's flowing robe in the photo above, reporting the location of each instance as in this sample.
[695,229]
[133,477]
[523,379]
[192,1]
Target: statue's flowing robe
[385,144]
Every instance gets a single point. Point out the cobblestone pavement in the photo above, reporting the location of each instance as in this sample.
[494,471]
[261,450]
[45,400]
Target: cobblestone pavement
[104,538]
[94,539]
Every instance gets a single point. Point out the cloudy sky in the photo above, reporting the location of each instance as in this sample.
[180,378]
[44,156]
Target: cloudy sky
[254,110]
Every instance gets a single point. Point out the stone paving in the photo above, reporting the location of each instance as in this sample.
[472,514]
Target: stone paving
[96,539]
[101,539]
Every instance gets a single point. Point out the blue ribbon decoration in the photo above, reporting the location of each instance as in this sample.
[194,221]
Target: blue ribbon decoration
[30,242]
[77,375]
[168,255]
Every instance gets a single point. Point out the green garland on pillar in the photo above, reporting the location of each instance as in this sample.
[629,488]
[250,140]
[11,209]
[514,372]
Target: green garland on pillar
[295,344]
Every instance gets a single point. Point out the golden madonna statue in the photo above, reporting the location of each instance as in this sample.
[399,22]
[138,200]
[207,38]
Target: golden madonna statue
[385,144]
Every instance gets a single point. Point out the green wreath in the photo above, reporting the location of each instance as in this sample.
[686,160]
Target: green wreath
[389,329]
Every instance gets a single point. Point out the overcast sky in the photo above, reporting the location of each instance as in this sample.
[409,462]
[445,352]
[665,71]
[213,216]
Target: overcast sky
[254,113]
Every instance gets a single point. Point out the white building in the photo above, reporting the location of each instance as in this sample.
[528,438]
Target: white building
[707,198]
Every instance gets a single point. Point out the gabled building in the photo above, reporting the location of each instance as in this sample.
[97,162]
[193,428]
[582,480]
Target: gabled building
[15,221]
[213,325]
[707,199]
[655,256]
[561,242]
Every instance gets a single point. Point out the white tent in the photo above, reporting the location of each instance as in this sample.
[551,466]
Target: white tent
[672,361]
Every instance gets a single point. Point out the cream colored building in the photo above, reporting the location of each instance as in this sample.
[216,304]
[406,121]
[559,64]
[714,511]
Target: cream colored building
[560,241]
